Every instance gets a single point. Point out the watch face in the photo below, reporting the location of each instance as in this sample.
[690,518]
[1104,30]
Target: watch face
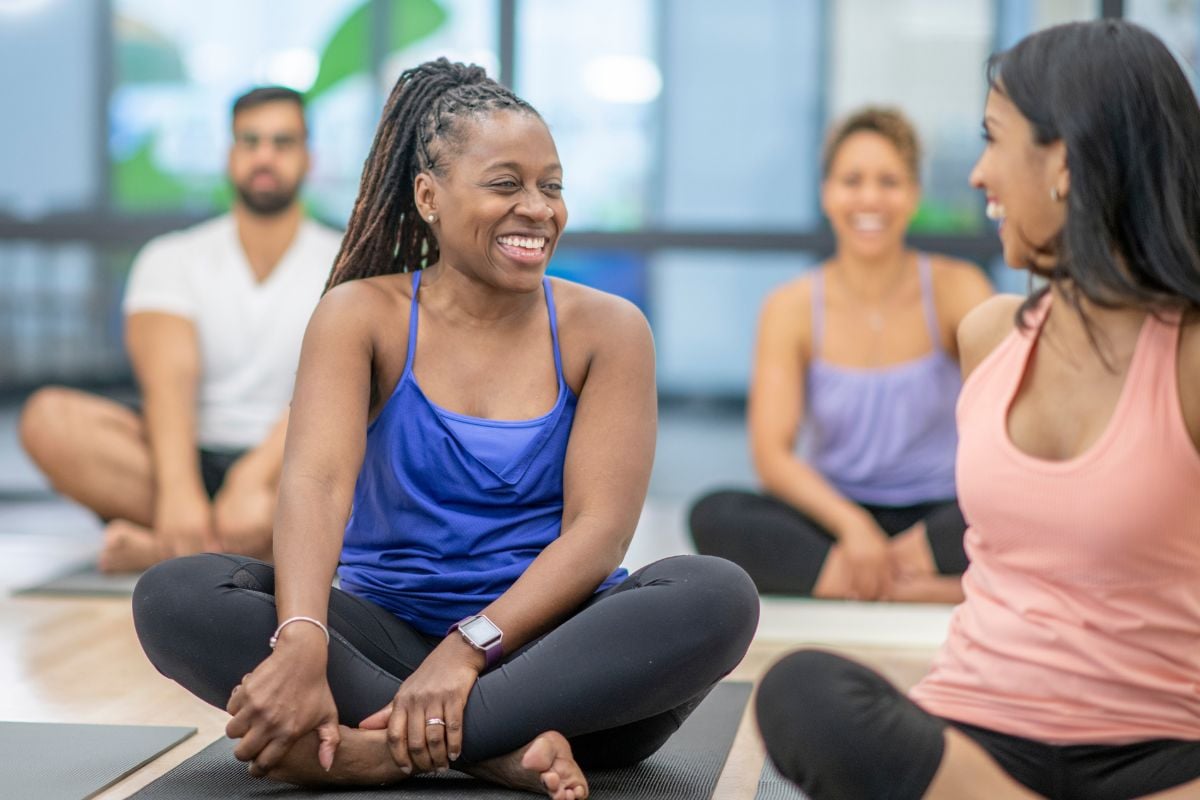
[481,632]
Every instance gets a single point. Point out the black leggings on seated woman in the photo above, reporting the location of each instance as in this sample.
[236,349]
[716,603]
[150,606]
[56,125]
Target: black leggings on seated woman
[784,550]
[840,730]
[617,678]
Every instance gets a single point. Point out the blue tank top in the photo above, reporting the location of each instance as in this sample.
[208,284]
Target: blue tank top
[449,510]
[884,436]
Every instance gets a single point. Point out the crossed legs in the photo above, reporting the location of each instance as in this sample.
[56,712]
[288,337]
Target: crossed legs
[96,452]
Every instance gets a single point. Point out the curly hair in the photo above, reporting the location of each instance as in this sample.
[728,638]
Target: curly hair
[890,123]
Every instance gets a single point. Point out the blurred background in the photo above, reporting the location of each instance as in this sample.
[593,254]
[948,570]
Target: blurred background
[689,130]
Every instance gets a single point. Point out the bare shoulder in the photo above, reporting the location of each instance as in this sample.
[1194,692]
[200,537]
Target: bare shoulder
[591,312]
[984,327]
[359,305]
[787,309]
[1189,367]
[958,286]
[956,274]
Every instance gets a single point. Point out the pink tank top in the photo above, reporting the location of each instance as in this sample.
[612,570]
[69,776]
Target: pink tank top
[1082,615]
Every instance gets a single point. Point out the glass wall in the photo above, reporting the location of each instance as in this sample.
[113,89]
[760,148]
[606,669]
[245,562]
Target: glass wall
[1177,22]
[690,131]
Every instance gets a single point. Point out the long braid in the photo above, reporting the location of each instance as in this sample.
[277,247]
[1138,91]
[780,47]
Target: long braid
[386,234]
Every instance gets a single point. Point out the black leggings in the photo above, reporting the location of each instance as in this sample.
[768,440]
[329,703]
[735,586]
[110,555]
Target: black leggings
[617,678]
[783,550]
[840,730]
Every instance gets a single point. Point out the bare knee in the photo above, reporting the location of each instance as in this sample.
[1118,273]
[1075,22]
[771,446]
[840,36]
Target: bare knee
[43,423]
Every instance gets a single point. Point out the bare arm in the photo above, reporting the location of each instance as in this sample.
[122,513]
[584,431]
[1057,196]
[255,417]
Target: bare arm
[264,463]
[982,330]
[605,478]
[959,286]
[1189,376]
[287,695]
[165,354]
[326,440]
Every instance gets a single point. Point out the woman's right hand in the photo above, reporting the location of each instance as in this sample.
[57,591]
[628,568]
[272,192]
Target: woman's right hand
[865,547]
[285,697]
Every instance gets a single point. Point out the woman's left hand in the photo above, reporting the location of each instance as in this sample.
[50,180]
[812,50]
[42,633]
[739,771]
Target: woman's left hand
[437,690]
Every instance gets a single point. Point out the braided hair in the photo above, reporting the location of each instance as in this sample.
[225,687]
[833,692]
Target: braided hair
[419,131]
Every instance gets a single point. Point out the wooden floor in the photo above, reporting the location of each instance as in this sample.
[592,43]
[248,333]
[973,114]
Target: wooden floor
[72,660]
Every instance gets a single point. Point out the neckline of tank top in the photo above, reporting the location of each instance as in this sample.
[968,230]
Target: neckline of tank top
[555,352]
[1111,428]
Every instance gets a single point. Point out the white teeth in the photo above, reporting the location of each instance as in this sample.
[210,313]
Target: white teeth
[524,242]
[994,211]
[870,223]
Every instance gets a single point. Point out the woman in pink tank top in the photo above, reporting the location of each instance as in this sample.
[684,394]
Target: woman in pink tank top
[1072,669]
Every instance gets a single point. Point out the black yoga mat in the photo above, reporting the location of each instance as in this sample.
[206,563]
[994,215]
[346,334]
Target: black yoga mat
[71,762]
[84,581]
[773,786]
[686,768]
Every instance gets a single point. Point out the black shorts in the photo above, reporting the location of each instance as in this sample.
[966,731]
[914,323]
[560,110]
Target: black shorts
[1087,771]
[213,466]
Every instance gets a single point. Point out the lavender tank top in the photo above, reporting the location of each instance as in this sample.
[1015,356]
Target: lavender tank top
[883,436]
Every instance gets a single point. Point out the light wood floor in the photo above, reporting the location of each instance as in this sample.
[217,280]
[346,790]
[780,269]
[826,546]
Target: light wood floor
[69,660]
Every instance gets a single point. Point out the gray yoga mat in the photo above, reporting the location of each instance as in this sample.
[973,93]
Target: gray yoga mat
[686,768]
[84,581]
[773,786]
[71,762]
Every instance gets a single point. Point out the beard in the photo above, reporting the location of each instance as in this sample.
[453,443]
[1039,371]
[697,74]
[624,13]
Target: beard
[266,203]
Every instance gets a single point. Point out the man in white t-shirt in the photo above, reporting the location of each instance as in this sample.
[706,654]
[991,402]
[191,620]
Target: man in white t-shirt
[214,319]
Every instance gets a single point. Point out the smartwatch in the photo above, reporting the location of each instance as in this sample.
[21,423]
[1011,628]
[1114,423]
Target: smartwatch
[482,634]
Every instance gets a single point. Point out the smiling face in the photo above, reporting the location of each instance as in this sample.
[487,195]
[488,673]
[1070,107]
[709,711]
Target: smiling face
[1018,175]
[498,204]
[869,195]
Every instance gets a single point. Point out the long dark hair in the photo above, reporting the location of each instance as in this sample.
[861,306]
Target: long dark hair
[1117,98]
[418,132]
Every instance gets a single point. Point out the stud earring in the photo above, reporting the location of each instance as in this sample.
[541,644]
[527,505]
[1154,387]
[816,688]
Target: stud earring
[432,218]
[1054,195]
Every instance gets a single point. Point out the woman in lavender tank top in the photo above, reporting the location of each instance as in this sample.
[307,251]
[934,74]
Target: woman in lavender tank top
[859,356]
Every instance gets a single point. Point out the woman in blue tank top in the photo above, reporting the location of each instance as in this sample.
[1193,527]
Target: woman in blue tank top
[470,444]
[860,354]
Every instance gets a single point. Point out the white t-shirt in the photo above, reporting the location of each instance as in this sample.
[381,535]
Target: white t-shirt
[249,332]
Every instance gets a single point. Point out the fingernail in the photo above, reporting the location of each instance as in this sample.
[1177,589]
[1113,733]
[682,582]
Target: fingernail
[407,770]
[454,756]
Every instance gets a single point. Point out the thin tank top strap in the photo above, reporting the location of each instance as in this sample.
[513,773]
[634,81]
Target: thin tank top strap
[553,327]
[818,310]
[412,323]
[925,270]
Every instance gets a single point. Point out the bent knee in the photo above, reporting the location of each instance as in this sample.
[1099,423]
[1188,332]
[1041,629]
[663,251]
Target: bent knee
[710,517]
[40,424]
[814,690]
[720,600]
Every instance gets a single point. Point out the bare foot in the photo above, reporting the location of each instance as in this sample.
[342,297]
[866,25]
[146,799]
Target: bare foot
[545,765]
[128,548]
[362,759]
